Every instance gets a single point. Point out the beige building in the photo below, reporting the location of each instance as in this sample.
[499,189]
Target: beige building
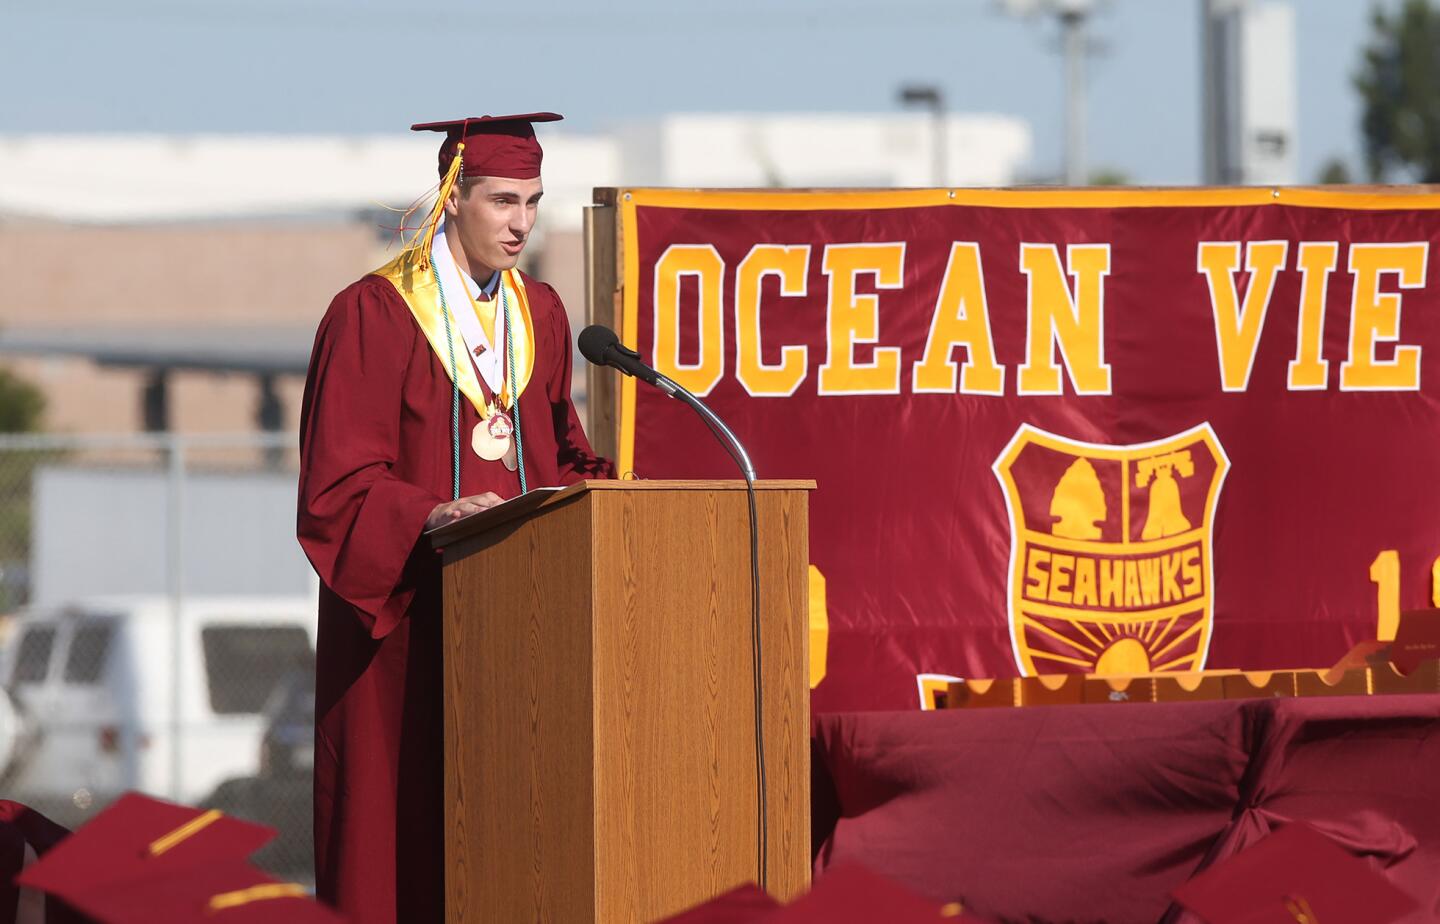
[176,281]
[199,327]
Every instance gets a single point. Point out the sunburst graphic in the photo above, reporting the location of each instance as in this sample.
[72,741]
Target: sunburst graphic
[1114,648]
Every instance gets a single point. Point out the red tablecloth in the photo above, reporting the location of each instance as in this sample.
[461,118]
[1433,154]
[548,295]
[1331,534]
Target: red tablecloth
[1094,813]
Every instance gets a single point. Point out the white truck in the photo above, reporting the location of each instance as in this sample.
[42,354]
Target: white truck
[119,693]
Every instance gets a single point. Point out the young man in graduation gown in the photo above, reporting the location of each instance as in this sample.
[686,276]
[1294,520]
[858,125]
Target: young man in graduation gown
[439,386]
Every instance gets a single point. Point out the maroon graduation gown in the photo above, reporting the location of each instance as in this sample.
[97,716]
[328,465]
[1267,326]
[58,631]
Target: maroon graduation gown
[375,459]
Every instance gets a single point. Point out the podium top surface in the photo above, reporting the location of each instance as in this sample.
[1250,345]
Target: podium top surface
[540,498]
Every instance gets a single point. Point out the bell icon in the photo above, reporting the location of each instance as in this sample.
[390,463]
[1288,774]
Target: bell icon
[1166,517]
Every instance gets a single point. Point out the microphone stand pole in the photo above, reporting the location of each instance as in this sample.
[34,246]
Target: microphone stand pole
[724,434]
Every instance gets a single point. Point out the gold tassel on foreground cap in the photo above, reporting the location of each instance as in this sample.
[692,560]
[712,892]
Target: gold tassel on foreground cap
[188,829]
[264,892]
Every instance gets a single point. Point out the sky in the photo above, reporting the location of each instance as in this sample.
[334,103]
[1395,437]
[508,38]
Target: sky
[375,66]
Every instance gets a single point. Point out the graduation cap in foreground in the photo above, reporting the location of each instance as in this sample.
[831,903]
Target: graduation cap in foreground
[850,894]
[1295,876]
[145,860]
[846,894]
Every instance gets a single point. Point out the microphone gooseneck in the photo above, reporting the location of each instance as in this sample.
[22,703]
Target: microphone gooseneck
[601,346]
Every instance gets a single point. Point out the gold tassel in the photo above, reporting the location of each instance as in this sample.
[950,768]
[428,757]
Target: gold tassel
[188,829]
[424,236]
[265,892]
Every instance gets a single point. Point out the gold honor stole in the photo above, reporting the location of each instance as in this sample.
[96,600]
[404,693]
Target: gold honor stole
[422,296]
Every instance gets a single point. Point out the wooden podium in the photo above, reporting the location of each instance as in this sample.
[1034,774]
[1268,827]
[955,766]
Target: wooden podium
[599,700]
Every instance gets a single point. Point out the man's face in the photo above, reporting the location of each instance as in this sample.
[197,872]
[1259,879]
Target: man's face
[492,217]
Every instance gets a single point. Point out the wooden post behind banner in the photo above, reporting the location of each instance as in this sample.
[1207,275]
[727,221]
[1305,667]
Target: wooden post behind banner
[604,275]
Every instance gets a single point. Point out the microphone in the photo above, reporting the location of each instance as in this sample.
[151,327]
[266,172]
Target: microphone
[602,347]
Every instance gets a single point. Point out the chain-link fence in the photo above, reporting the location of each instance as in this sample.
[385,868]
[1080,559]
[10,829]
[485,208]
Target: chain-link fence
[158,629]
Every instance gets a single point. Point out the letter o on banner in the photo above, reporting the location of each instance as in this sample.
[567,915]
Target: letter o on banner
[703,262]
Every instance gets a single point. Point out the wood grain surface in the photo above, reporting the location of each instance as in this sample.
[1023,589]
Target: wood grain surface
[599,717]
[603,271]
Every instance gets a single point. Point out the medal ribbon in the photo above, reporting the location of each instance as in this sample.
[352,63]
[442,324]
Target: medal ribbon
[501,395]
[488,351]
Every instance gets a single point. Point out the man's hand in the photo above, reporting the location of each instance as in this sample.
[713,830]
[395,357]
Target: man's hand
[454,510]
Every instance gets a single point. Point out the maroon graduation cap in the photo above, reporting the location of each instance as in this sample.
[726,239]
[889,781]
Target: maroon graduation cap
[494,145]
[741,905]
[146,860]
[850,894]
[1295,876]
[846,894]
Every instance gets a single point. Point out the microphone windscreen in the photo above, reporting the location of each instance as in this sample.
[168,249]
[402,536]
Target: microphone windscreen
[594,341]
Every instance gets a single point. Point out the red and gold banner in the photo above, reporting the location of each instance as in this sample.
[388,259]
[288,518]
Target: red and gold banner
[1059,431]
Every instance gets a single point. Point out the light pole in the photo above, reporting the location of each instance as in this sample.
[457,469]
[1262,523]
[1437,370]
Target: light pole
[1074,15]
[1072,29]
[929,96]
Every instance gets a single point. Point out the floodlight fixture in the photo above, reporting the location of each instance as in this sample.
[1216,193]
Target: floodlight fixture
[929,96]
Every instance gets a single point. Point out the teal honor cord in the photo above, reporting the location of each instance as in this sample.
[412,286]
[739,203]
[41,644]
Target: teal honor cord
[454,386]
[514,387]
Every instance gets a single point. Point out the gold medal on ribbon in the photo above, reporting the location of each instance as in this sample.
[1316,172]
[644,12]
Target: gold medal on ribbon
[491,437]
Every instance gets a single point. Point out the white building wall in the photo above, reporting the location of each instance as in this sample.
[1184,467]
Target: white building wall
[159,178]
[118,179]
[1268,139]
[804,150]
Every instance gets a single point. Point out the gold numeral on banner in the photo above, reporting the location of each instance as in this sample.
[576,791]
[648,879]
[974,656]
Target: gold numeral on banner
[1435,583]
[1385,572]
